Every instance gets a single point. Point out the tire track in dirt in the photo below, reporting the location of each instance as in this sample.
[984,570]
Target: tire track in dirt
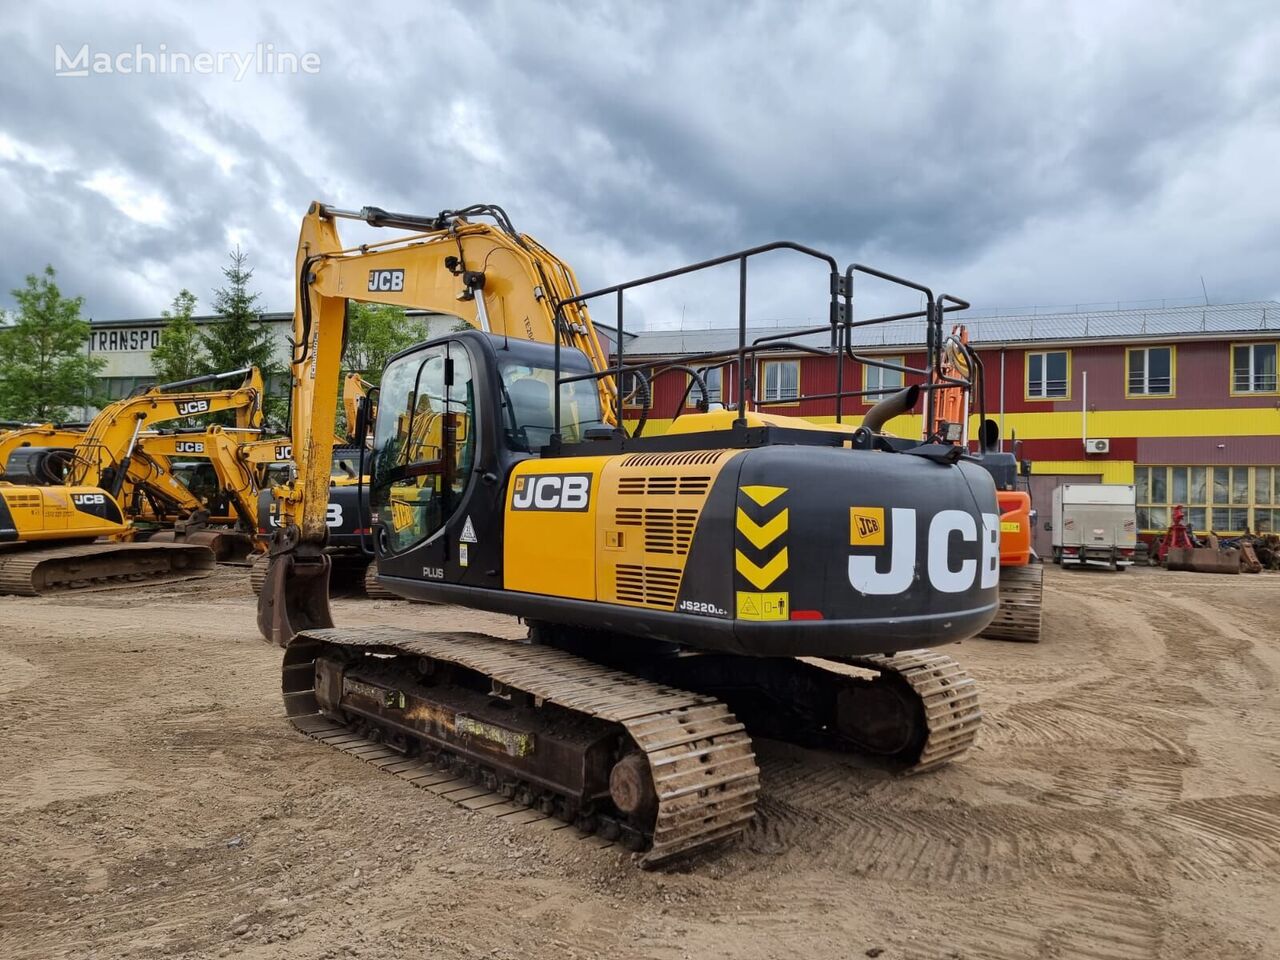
[1080,924]
[1227,834]
[902,831]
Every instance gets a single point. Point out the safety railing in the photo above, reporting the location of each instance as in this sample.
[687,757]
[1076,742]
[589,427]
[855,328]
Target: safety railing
[743,357]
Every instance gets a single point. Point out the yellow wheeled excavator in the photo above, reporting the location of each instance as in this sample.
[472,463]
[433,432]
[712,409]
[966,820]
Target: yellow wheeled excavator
[48,530]
[743,574]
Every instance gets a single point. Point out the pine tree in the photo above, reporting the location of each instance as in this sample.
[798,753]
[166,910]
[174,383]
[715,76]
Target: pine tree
[45,369]
[240,339]
[178,355]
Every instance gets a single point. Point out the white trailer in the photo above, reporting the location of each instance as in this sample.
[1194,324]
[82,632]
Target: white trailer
[1094,524]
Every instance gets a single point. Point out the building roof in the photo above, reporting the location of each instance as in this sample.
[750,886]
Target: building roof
[1145,323]
[1138,323]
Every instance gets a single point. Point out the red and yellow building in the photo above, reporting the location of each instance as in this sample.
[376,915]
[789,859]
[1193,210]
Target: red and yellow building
[1182,402]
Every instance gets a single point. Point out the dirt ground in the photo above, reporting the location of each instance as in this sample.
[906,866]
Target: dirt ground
[1123,802]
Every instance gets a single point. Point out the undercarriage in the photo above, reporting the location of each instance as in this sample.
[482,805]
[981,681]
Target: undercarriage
[655,755]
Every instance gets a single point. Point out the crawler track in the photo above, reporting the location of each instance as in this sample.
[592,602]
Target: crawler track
[100,566]
[1021,603]
[697,757]
[372,588]
[368,580]
[948,698]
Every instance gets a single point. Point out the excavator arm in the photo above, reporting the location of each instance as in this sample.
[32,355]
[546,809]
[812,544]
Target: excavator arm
[487,274]
[112,436]
[234,459]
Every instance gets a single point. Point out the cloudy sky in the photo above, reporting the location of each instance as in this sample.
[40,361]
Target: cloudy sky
[1016,153]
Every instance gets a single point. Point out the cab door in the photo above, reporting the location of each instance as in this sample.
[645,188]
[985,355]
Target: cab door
[424,453]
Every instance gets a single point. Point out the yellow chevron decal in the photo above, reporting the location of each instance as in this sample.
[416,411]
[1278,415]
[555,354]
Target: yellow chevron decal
[762,534]
[763,495]
[761,577]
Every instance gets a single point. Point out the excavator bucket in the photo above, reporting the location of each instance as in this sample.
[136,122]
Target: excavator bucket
[1203,559]
[1249,561]
[294,597]
[228,546]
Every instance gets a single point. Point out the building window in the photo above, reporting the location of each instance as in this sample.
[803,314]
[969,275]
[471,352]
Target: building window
[637,391]
[1253,368]
[1227,500]
[1150,371]
[878,378]
[781,380]
[714,379]
[1266,494]
[1048,375]
[117,388]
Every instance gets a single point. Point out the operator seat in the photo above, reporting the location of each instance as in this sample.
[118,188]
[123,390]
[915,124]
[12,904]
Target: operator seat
[531,407]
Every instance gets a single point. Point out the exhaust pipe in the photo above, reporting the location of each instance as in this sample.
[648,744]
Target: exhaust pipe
[891,406]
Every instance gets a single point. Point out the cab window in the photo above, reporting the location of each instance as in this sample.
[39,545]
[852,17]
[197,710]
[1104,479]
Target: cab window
[528,402]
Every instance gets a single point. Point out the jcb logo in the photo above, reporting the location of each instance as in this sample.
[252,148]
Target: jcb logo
[88,499]
[866,526]
[951,565]
[189,407]
[332,516]
[386,280]
[284,451]
[189,446]
[552,491]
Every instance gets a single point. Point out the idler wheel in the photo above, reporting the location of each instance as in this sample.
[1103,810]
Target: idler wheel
[631,787]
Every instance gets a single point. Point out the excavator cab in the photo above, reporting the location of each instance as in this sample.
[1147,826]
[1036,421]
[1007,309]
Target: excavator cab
[454,415]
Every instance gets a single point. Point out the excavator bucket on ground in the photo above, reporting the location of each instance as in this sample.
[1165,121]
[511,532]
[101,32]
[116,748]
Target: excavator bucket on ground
[1203,559]
[227,546]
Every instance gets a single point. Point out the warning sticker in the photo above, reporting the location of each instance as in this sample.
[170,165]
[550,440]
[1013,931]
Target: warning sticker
[866,526]
[468,532]
[763,606]
[1010,526]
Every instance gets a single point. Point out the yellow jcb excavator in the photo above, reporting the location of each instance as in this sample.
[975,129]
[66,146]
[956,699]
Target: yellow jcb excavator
[47,530]
[745,573]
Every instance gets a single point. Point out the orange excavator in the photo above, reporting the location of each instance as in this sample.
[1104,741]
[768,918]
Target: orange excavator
[1019,616]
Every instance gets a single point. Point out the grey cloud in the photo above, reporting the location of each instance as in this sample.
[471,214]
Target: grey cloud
[1027,154]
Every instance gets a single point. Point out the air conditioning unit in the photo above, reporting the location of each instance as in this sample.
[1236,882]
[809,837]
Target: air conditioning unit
[1097,446]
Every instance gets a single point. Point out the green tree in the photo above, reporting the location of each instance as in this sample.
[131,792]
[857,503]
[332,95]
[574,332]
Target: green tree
[376,332]
[178,355]
[240,338]
[44,367]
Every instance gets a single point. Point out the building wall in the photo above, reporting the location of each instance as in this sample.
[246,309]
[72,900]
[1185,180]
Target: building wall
[1200,424]
[126,345]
